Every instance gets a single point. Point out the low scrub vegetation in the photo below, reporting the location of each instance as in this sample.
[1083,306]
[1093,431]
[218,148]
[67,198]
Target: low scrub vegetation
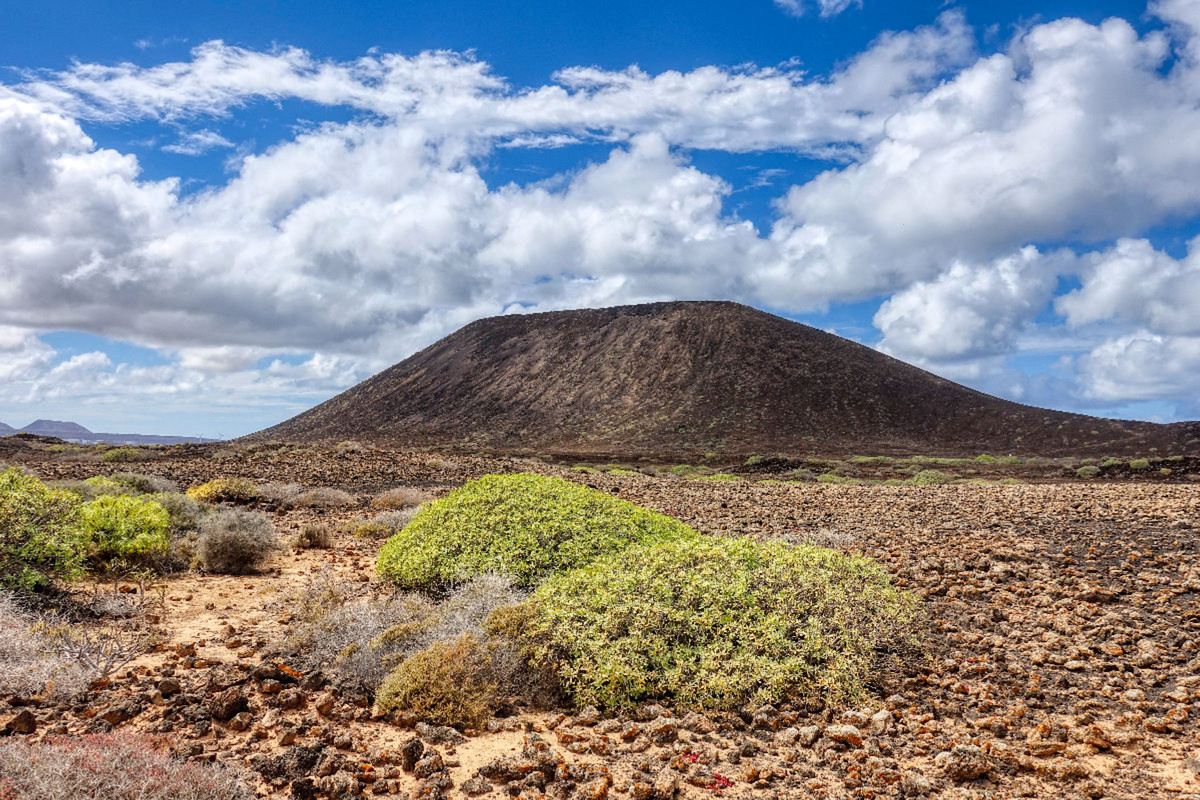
[313,535]
[1139,464]
[234,541]
[1088,472]
[411,652]
[30,662]
[125,527]
[112,767]
[931,477]
[398,498]
[125,455]
[224,490]
[448,683]
[527,526]
[40,537]
[380,526]
[721,623]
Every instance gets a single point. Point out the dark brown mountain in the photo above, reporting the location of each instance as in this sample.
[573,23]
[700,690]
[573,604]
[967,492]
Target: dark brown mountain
[676,379]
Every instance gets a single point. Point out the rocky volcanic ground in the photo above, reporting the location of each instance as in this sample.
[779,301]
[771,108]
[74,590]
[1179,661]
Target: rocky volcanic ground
[1065,653]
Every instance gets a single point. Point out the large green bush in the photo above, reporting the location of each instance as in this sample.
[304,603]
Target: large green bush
[527,526]
[721,623]
[39,534]
[123,526]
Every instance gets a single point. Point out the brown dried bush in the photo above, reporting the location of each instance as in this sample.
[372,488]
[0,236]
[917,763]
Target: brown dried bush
[234,541]
[400,497]
[313,535]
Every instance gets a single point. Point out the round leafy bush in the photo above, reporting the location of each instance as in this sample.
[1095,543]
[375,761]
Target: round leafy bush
[234,541]
[122,526]
[930,477]
[39,534]
[1139,464]
[1089,471]
[124,455]
[224,490]
[722,623]
[526,526]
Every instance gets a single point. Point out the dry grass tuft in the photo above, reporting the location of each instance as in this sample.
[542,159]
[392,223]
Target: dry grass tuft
[400,497]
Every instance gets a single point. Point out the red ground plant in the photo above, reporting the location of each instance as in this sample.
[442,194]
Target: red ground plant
[114,767]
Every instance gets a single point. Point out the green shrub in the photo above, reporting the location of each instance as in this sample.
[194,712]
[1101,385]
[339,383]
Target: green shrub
[1139,464]
[224,490]
[721,623]
[930,477]
[871,460]
[527,526]
[686,469]
[752,460]
[124,455]
[727,477]
[40,538]
[830,477]
[1088,472]
[121,526]
[1165,471]
[1111,462]
[627,472]
[448,683]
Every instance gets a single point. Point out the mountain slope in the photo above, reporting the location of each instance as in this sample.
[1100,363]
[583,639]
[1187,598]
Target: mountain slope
[6,430]
[691,377]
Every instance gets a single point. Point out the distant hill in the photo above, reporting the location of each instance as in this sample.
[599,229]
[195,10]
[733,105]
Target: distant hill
[61,430]
[74,432]
[687,378]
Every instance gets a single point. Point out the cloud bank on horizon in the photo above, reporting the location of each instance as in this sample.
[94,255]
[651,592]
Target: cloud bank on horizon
[993,207]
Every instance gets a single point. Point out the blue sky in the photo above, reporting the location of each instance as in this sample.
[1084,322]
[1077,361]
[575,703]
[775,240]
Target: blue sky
[223,213]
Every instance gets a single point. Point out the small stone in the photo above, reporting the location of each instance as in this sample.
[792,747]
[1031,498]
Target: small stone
[475,787]
[410,753]
[24,722]
[963,763]
[808,735]
[439,734]
[226,705]
[428,765]
[241,721]
[914,784]
[844,734]
[325,703]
